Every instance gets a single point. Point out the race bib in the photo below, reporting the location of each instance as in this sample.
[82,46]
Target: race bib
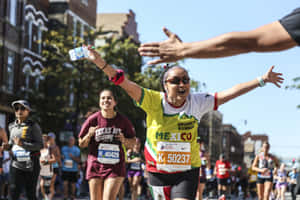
[47,181]
[68,163]
[173,156]
[222,171]
[253,178]
[266,174]
[108,153]
[21,154]
[135,166]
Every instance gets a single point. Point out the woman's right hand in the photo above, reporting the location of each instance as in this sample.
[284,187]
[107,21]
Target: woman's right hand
[92,130]
[95,57]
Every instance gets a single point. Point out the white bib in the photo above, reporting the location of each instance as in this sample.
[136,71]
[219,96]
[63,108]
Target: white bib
[173,156]
[68,163]
[21,154]
[135,166]
[222,171]
[108,153]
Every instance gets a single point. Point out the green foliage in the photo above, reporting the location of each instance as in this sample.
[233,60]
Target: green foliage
[296,86]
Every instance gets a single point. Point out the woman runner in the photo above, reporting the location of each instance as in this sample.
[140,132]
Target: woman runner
[171,149]
[105,133]
[264,164]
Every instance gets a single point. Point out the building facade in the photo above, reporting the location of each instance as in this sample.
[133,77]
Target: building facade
[78,15]
[21,27]
[120,25]
[232,145]
[210,130]
[252,146]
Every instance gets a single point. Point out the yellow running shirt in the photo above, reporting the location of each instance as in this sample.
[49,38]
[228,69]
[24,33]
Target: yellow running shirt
[171,144]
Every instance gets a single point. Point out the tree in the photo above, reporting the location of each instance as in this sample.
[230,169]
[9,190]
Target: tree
[296,85]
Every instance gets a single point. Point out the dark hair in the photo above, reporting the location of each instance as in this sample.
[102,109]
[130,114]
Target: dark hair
[111,91]
[164,74]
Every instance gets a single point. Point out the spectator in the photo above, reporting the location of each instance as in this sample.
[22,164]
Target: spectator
[276,36]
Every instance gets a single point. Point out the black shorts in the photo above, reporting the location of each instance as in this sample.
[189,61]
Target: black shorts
[69,176]
[56,170]
[263,180]
[223,181]
[202,180]
[291,24]
[171,186]
[252,185]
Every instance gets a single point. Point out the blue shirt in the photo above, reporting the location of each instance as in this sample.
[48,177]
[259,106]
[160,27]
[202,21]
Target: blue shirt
[293,175]
[68,164]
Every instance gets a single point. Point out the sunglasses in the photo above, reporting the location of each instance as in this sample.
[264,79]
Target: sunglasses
[177,80]
[22,108]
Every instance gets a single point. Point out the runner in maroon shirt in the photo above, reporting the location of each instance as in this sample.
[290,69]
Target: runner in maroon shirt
[105,133]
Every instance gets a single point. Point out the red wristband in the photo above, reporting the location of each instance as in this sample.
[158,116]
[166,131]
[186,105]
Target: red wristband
[118,78]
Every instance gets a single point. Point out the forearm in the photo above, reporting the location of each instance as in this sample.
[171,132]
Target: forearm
[267,38]
[236,91]
[84,142]
[225,45]
[132,89]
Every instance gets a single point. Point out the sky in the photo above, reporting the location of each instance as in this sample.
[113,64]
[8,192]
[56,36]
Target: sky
[267,110]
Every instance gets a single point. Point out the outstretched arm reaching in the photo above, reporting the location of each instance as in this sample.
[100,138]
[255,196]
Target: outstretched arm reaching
[243,88]
[267,38]
[132,89]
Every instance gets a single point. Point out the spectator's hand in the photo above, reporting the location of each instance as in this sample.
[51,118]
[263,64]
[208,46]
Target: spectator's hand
[273,77]
[168,50]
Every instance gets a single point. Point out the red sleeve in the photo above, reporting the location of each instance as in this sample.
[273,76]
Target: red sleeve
[216,101]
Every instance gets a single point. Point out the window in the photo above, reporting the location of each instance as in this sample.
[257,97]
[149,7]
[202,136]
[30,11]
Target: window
[74,30]
[38,77]
[29,33]
[40,32]
[85,2]
[12,12]
[10,71]
[72,96]
[27,72]
[82,31]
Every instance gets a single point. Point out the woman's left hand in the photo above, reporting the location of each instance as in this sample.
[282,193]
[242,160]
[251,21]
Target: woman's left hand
[273,77]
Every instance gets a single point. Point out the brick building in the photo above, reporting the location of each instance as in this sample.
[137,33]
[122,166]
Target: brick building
[232,144]
[120,25]
[21,27]
[77,15]
[210,130]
